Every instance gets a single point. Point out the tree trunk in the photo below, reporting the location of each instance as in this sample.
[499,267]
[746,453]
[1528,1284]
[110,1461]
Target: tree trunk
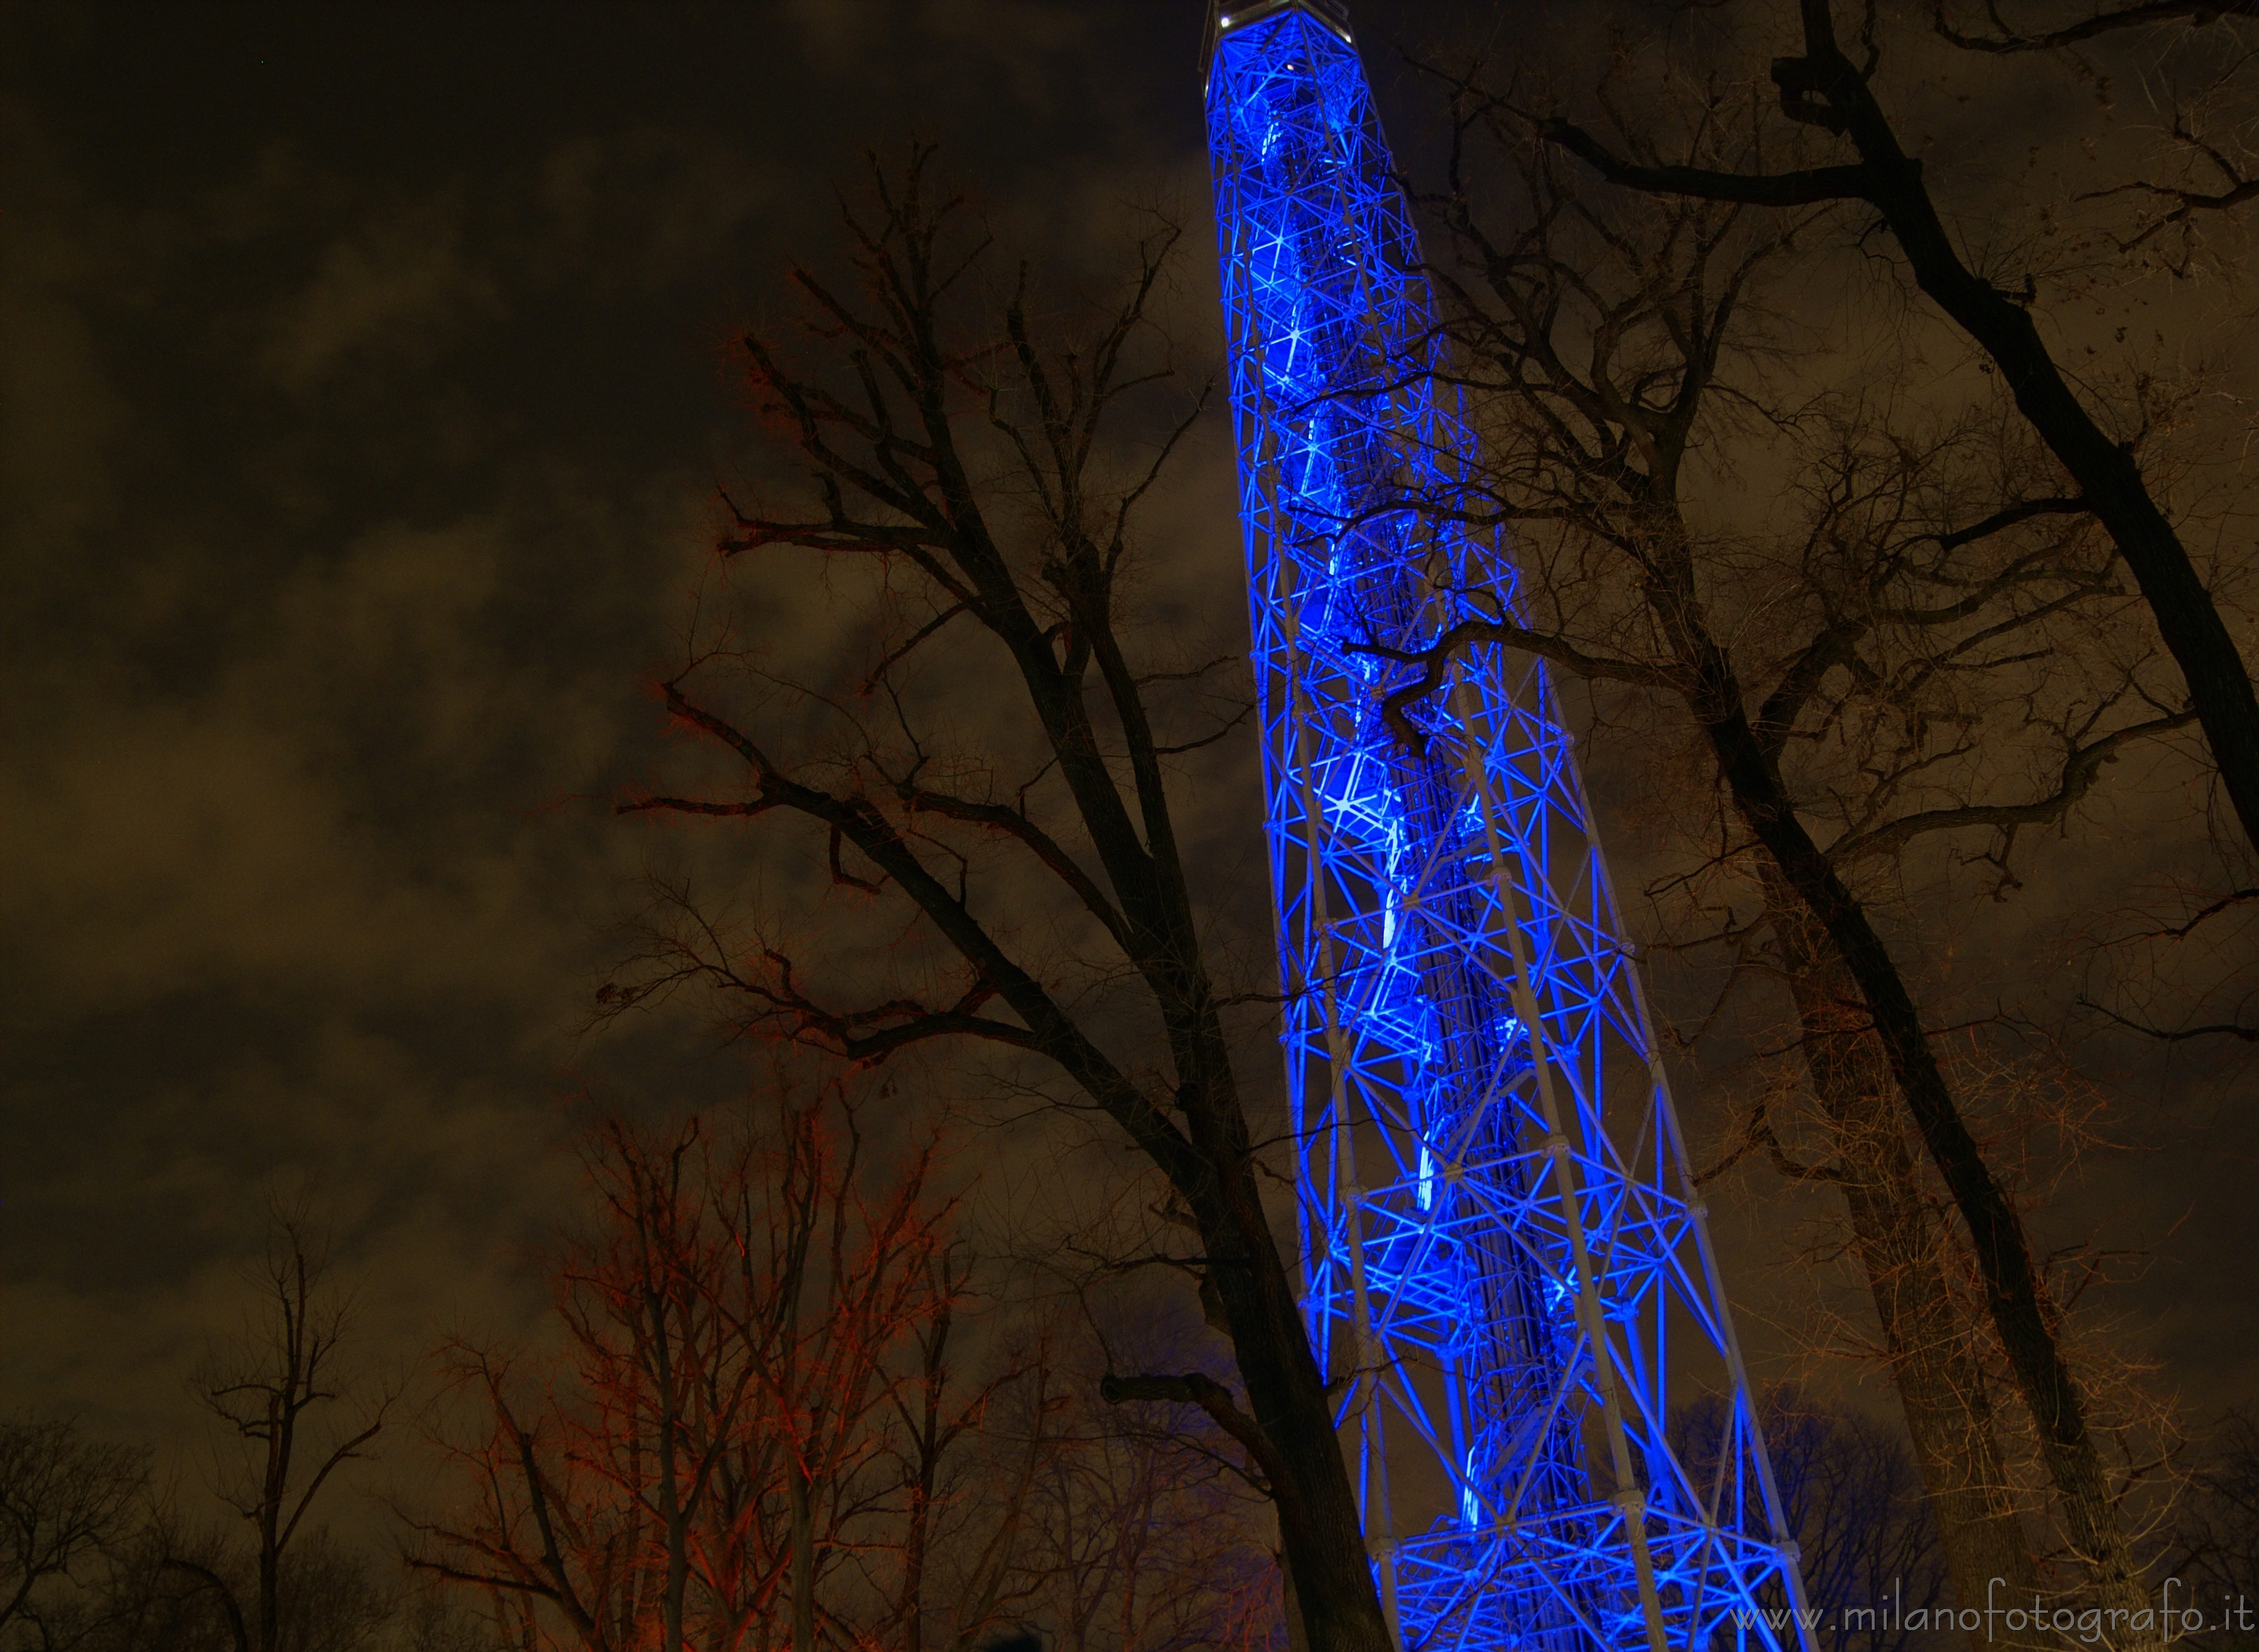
[1826,88]
[914,1541]
[2218,683]
[1138,891]
[1324,1543]
[2017,1301]
[1297,1638]
[803,1561]
[270,1582]
[1901,1245]
[673,1517]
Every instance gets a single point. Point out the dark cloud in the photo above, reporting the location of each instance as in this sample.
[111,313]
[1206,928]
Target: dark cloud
[363,403]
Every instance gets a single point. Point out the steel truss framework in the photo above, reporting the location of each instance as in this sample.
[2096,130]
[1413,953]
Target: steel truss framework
[1505,1268]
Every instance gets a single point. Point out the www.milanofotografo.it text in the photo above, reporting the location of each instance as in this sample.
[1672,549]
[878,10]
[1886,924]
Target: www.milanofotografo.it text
[2176,1614]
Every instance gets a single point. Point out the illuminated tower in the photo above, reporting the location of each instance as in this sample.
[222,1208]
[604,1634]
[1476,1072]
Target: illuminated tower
[1506,1267]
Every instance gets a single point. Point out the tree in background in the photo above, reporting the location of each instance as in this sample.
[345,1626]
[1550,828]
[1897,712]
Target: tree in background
[966,1501]
[67,1504]
[743,1320]
[991,773]
[1853,1499]
[1917,640]
[294,1412]
[2216,1551]
[1828,90]
[770,1425]
[333,1597]
[1143,1534]
[95,1563]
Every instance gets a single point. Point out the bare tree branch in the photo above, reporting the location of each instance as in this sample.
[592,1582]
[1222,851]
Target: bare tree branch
[2196,13]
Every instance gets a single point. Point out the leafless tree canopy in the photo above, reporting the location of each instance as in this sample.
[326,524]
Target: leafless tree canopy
[962,465]
[779,1420]
[66,1501]
[1883,630]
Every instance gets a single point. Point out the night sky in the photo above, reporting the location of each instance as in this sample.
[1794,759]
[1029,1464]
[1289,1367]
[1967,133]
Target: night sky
[365,397]
[366,401]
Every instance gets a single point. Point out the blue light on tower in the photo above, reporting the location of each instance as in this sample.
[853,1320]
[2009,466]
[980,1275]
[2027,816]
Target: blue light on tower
[1505,1268]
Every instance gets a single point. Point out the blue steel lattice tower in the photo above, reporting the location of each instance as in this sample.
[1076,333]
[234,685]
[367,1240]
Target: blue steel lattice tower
[1506,1269]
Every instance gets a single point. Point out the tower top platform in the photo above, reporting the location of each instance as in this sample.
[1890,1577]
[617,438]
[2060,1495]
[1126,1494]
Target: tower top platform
[1224,17]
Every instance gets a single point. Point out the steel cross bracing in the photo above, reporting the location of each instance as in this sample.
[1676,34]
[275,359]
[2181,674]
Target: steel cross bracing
[1506,1269]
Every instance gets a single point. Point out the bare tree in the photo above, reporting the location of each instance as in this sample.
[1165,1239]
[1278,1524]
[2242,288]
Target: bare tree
[1853,1499]
[2216,1550]
[973,475]
[1148,1535]
[1827,90]
[754,1404]
[540,1526]
[66,1501]
[333,1597]
[139,1601]
[967,1488]
[1921,647]
[1909,1260]
[286,1391]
